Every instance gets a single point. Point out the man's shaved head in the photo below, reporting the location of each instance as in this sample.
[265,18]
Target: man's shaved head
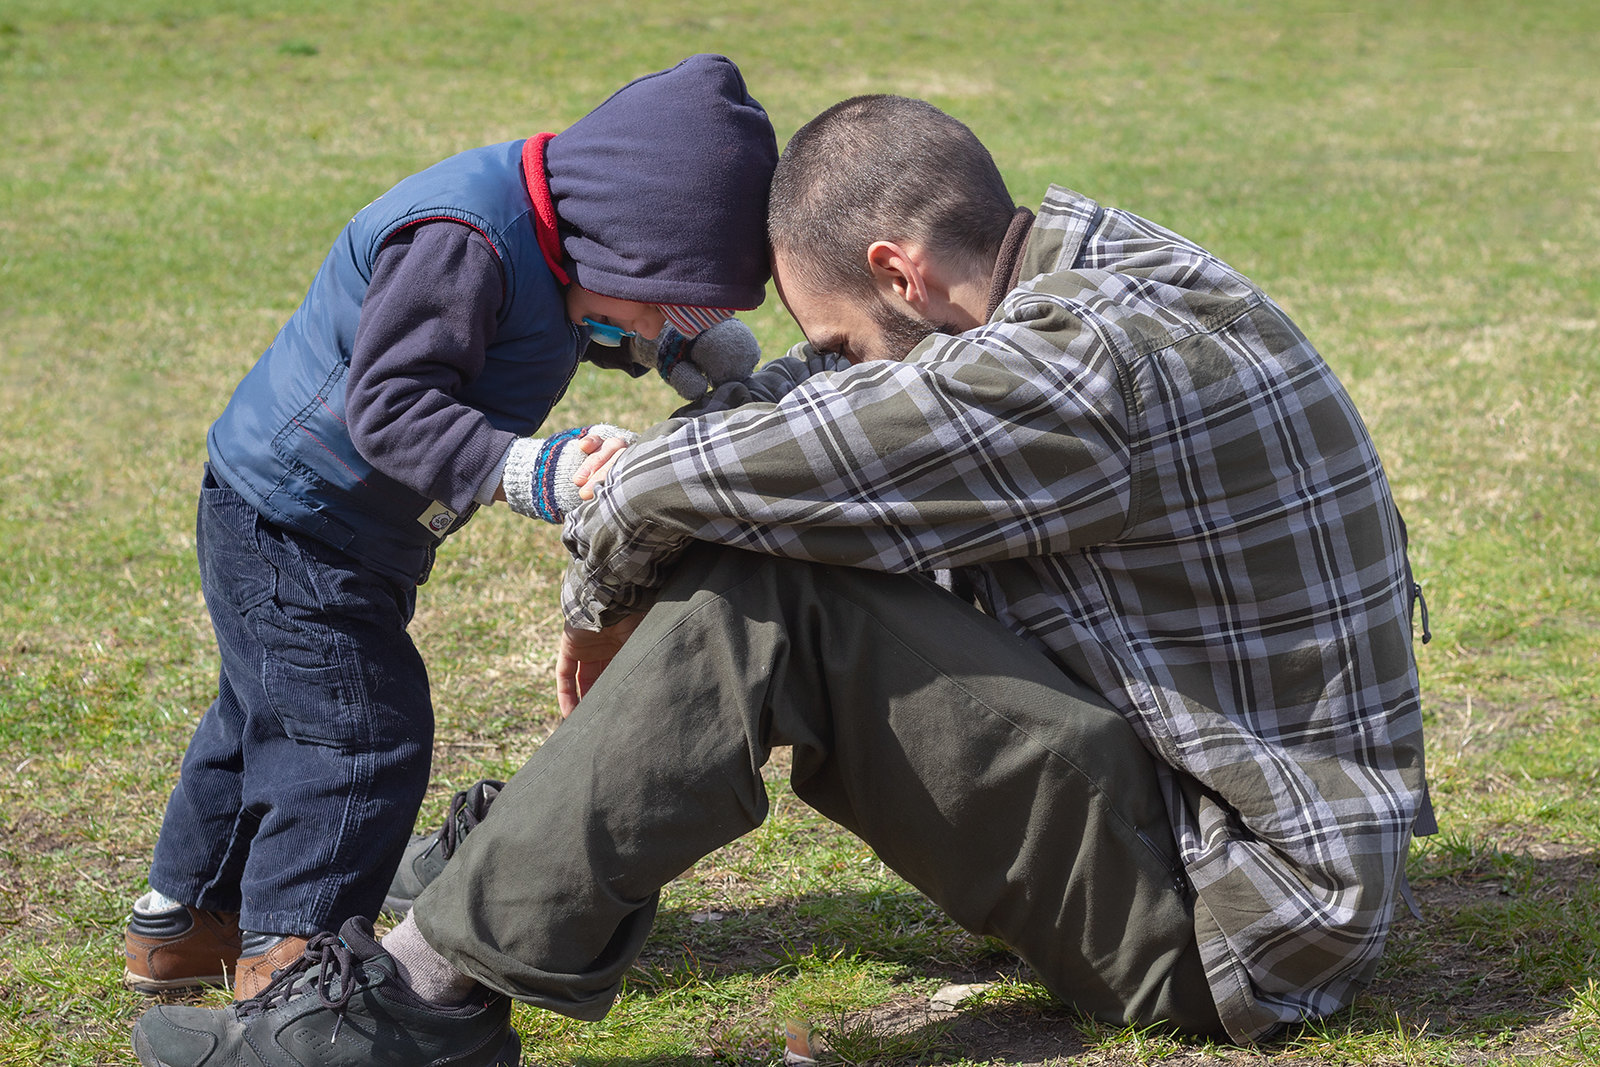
[883,168]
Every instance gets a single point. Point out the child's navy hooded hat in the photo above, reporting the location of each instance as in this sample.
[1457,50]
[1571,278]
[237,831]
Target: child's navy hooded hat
[661,191]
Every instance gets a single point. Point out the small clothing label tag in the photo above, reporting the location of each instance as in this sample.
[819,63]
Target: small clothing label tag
[438,519]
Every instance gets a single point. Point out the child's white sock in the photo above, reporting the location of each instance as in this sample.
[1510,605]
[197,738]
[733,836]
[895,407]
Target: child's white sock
[155,902]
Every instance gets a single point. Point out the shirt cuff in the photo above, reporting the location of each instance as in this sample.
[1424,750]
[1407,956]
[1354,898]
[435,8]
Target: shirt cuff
[486,491]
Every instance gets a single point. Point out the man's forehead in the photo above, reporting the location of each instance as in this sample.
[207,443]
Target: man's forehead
[784,277]
[805,307]
[823,332]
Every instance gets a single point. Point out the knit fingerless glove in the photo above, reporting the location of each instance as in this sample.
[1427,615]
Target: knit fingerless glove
[539,470]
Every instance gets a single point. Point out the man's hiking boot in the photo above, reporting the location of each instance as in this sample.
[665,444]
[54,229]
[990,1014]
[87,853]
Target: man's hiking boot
[179,948]
[342,1002]
[426,854]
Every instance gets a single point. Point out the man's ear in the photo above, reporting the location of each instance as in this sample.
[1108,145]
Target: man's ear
[901,269]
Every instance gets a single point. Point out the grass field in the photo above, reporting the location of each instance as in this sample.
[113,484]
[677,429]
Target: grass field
[1415,182]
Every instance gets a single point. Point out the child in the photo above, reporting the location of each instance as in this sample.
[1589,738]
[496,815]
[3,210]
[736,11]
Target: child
[439,332]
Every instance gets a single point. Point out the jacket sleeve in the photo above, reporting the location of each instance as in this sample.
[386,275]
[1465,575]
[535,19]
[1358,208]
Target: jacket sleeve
[427,320]
[969,451]
[771,383]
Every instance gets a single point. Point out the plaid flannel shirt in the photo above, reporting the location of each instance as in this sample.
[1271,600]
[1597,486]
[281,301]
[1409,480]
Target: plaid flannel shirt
[1145,470]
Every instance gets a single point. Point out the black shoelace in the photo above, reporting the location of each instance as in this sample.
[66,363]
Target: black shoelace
[460,820]
[337,972]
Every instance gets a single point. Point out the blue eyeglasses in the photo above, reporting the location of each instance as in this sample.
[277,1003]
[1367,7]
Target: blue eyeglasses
[603,333]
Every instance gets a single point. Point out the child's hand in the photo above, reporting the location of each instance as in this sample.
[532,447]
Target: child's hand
[543,475]
[602,452]
[725,352]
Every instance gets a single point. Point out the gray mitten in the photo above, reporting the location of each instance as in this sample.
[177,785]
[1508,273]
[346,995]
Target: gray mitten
[725,352]
[539,470]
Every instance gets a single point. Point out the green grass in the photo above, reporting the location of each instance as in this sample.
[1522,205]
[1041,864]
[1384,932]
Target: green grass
[1414,182]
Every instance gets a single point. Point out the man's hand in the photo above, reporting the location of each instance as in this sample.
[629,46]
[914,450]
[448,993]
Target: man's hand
[583,654]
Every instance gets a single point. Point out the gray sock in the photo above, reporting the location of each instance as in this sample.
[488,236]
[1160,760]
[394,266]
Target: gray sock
[428,974]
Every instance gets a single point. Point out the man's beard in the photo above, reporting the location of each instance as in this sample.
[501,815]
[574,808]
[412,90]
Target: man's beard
[903,332]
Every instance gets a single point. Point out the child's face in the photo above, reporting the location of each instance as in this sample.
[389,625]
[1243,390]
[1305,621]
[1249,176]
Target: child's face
[645,320]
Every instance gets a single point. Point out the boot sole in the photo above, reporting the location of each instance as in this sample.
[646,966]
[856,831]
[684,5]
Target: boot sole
[142,984]
[510,1054]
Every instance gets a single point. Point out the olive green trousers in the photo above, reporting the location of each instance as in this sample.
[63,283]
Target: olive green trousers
[1009,793]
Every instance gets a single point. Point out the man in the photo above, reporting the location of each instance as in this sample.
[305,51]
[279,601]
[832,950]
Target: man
[1173,756]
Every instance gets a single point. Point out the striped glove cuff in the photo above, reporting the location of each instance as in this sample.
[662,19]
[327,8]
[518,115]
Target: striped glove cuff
[539,470]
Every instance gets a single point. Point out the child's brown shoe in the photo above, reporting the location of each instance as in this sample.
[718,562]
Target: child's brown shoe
[254,972]
[179,948]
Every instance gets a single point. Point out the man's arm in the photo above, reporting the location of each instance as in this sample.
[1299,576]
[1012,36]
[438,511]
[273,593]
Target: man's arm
[771,383]
[972,450]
